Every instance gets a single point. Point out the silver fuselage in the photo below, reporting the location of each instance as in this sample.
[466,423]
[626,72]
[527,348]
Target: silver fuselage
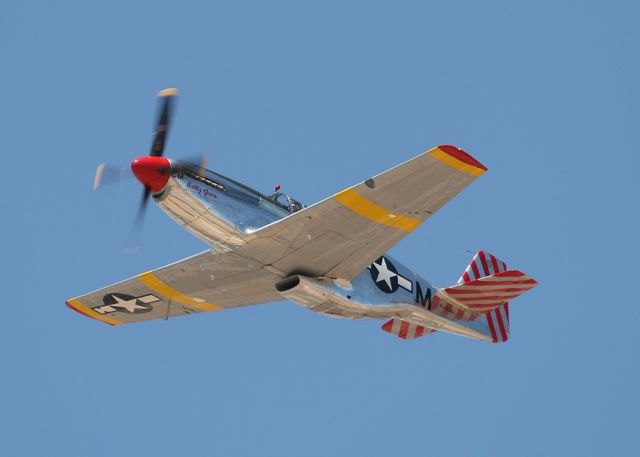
[227,215]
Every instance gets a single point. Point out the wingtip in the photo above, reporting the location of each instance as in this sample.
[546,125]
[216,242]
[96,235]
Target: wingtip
[71,305]
[461,155]
[74,305]
[168,92]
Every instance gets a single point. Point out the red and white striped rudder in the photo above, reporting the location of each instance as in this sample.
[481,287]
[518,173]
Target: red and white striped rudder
[482,265]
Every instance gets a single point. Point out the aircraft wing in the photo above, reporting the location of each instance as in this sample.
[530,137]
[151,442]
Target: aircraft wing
[338,237]
[209,281]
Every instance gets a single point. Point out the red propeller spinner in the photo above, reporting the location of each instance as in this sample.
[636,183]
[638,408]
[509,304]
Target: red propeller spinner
[152,171]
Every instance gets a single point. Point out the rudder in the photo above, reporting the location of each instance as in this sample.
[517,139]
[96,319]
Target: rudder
[482,265]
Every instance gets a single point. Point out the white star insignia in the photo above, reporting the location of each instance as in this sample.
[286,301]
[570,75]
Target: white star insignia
[129,305]
[384,274]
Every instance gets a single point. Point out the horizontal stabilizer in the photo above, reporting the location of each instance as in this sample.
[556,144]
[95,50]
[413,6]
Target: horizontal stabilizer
[405,330]
[488,293]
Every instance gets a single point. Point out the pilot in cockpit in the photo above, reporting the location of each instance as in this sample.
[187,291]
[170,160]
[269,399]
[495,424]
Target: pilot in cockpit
[295,206]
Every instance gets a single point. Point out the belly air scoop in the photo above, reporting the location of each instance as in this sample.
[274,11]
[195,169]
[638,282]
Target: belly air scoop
[327,296]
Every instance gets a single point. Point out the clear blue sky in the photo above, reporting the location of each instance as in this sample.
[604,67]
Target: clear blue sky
[319,96]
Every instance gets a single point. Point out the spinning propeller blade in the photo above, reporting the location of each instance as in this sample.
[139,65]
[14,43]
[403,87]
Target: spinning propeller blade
[142,209]
[144,171]
[109,174]
[153,171]
[164,118]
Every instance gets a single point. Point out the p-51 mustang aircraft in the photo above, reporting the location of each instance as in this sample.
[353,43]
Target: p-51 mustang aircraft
[329,257]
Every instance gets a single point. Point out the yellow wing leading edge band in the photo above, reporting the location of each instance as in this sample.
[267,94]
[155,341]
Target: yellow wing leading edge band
[456,163]
[82,309]
[156,285]
[449,155]
[356,202]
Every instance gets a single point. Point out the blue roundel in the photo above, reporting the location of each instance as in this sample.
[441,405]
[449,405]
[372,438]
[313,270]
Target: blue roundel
[384,275]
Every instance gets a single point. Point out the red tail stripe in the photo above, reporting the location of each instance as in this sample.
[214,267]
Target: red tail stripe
[494,262]
[481,301]
[503,332]
[479,282]
[465,277]
[486,309]
[484,263]
[491,327]
[486,292]
[388,326]
[509,273]
[474,267]
[404,328]
[480,290]
[497,298]
[419,331]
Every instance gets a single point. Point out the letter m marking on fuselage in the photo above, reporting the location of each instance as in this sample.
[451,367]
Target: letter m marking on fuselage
[423,300]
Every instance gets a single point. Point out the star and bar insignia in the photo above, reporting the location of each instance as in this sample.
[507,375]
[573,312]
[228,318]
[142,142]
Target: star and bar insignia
[386,276]
[126,303]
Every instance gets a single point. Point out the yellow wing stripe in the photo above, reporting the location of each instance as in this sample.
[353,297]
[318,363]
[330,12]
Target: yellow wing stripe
[82,309]
[155,284]
[356,202]
[456,163]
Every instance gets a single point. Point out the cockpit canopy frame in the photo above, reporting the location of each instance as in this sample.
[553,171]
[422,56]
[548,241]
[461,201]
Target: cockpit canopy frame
[286,202]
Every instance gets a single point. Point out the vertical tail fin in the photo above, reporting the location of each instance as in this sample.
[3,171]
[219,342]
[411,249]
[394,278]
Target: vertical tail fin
[482,264]
[485,264]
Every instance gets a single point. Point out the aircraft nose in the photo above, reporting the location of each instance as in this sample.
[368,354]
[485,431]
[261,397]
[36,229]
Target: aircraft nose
[152,171]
